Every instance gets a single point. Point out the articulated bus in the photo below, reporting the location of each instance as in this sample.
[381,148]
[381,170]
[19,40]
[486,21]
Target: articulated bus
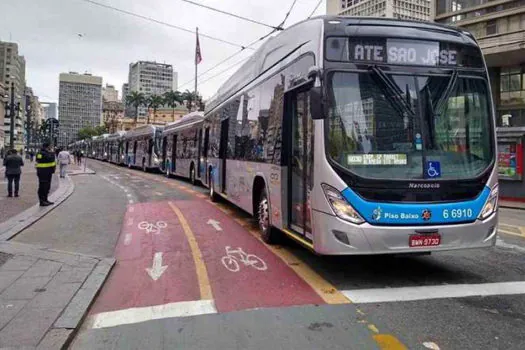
[115,147]
[182,144]
[99,147]
[359,136]
[142,147]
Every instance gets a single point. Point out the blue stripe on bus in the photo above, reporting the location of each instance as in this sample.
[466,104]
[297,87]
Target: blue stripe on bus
[377,213]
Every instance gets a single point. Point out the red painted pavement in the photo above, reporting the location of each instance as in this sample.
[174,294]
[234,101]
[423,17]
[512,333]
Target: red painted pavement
[129,285]
[248,288]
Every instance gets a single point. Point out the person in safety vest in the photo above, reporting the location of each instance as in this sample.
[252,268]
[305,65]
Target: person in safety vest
[45,168]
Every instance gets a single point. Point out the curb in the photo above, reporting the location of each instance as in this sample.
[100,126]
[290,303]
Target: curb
[20,222]
[510,207]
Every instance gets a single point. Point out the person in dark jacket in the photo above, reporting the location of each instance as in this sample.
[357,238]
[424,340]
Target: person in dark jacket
[45,168]
[13,169]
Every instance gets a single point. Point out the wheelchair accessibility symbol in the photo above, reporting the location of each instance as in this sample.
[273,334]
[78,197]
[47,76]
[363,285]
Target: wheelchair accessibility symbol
[433,169]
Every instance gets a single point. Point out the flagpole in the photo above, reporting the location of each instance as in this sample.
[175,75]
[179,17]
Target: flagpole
[196,63]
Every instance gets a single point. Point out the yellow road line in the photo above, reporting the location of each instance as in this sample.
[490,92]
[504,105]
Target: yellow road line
[300,240]
[512,233]
[388,342]
[200,266]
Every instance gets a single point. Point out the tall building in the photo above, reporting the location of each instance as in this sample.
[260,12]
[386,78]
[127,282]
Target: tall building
[499,28]
[13,70]
[109,93]
[3,101]
[417,10]
[125,92]
[79,104]
[149,78]
[49,110]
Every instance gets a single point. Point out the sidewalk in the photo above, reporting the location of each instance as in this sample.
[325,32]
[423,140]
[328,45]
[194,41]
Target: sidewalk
[9,207]
[511,204]
[45,294]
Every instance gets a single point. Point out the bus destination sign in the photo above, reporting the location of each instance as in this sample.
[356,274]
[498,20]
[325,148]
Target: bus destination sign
[399,51]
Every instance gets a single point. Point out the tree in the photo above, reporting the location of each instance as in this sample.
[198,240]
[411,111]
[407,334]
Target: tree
[136,99]
[154,102]
[192,100]
[89,131]
[172,99]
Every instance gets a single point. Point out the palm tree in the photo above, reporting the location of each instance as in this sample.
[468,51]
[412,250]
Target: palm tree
[136,99]
[172,98]
[192,100]
[154,102]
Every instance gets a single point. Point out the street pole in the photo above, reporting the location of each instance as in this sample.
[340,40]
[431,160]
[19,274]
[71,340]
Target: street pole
[28,120]
[12,118]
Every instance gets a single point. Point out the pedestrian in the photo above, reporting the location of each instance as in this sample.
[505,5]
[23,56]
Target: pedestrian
[2,152]
[13,169]
[77,157]
[80,156]
[45,168]
[31,155]
[64,159]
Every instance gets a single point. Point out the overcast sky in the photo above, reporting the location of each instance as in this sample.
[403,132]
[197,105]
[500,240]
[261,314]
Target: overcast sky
[47,34]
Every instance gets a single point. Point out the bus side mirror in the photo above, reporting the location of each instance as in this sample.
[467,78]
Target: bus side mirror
[316,103]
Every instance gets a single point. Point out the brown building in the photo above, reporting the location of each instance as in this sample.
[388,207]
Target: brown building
[162,116]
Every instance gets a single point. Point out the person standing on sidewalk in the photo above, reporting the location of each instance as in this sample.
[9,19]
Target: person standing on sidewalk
[45,168]
[64,159]
[13,169]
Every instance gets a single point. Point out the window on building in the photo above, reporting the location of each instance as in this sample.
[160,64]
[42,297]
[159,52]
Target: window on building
[492,27]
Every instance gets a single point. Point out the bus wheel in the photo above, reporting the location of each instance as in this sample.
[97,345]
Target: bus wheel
[192,175]
[213,196]
[268,233]
[144,169]
[168,173]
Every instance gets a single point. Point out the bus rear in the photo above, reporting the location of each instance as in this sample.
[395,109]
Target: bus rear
[408,156]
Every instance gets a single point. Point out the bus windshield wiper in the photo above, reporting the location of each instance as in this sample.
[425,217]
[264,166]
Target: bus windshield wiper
[446,93]
[392,92]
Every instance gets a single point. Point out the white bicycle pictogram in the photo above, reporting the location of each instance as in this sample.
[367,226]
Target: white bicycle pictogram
[431,171]
[235,256]
[151,227]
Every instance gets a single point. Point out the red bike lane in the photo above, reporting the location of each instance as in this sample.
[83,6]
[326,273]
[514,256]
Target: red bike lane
[154,265]
[246,275]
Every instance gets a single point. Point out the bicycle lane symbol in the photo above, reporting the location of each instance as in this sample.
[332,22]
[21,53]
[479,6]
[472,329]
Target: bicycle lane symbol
[151,227]
[235,257]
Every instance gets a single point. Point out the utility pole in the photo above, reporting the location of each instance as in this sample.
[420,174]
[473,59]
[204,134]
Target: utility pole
[28,120]
[12,118]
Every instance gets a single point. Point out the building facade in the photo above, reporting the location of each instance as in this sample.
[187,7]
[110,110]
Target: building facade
[79,104]
[49,110]
[499,27]
[417,10]
[3,101]
[150,78]
[13,71]
[109,93]
[112,115]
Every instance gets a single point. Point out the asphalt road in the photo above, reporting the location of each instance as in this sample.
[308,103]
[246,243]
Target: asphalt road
[295,301]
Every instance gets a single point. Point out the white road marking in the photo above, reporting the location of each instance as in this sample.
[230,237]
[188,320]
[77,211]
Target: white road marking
[382,295]
[151,227]
[157,312]
[157,269]
[127,239]
[130,201]
[431,345]
[235,256]
[215,224]
[130,222]
[129,195]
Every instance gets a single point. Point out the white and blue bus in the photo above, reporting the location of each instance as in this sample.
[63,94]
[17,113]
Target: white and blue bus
[359,136]
[182,143]
[142,147]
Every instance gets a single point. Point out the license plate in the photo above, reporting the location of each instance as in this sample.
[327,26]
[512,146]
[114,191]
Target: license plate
[426,240]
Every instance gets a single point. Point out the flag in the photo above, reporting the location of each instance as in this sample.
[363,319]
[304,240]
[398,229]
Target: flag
[198,56]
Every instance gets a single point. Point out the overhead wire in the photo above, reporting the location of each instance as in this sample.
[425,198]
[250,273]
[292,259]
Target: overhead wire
[281,25]
[162,23]
[230,14]
[315,8]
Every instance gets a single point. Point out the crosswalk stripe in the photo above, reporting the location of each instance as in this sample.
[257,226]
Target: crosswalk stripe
[383,295]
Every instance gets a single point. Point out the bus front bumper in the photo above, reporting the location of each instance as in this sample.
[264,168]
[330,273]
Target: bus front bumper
[333,236]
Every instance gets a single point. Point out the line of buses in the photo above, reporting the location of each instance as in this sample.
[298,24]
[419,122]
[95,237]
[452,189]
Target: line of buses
[349,135]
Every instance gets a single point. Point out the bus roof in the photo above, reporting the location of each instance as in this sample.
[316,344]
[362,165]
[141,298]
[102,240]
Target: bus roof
[142,131]
[186,121]
[308,36]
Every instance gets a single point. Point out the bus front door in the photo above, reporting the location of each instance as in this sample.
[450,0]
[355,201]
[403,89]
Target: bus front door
[199,155]
[223,151]
[300,164]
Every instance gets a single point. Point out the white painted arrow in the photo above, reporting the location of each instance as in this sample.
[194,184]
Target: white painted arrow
[157,269]
[215,224]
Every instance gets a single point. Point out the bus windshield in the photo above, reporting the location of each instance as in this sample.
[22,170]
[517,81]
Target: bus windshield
[409,127]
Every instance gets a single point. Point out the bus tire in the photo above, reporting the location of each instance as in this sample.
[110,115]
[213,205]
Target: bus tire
[168,170]
[192,175]
[213,196]
[144,168]
[268,233]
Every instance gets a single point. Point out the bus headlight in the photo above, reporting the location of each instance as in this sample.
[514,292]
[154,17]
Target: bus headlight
[340,205]
[491,205]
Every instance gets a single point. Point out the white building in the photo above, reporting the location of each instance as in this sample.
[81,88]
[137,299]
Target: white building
[49,110]
[13,70]
[109,93]
[79,104]
[150,78]
[418,10]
